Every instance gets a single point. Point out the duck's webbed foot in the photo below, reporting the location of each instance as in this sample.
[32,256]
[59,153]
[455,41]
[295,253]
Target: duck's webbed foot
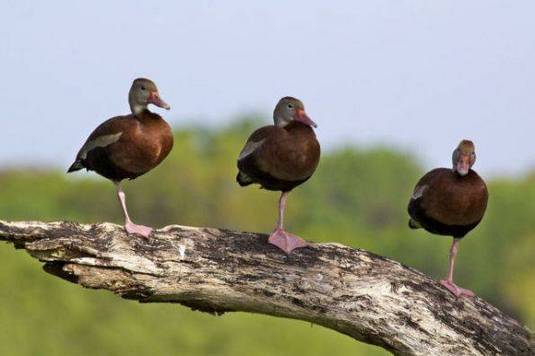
[286,241]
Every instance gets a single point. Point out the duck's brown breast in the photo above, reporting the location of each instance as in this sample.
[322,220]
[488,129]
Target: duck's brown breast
[450,199]
[144,145]
[292,154]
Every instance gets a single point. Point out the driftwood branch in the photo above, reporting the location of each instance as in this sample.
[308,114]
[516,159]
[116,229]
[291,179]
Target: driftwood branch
[368,297]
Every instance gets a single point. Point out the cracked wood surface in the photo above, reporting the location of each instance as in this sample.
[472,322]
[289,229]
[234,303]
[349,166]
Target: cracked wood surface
[365,296]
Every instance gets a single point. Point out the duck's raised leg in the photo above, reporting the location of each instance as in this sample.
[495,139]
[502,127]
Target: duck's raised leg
[448,282]
[129,226]
[280,238]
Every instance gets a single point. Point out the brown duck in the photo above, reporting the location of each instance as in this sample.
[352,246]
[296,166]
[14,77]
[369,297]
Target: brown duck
[280,157]
[450,202]
[126,147]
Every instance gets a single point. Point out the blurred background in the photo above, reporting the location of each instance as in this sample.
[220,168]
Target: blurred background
[393,85]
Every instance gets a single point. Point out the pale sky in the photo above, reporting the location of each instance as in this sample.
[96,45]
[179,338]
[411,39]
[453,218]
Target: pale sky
[420,75]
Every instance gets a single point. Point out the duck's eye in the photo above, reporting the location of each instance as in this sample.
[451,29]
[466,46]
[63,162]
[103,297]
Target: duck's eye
[290,106]
[143,88]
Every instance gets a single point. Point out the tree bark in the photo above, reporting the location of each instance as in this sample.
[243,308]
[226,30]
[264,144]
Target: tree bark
[365,296]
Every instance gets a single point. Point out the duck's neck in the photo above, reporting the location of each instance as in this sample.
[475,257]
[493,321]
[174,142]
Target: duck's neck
[135,107]
[293,125]
[138,109]
[459,175]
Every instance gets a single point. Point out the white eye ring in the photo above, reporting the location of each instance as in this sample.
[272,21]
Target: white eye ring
[290,106]
[143,88]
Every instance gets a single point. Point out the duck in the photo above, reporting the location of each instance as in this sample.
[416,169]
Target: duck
[128,146]
[280,157]
[450,202]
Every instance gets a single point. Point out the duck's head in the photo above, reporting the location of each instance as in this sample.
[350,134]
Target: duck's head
[464,157]
[142,93]
[290,109]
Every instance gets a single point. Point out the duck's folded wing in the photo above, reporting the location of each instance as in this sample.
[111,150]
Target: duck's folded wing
[103,137]
[99,141]
[106,134]
[419,191]
[250,148]
[420,194]
[256,141]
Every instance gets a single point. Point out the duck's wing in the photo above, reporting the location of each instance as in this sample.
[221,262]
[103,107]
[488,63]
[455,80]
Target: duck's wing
[98,144]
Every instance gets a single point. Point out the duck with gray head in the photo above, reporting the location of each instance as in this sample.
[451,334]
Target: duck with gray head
[126,147]
[450,202]
[280,157]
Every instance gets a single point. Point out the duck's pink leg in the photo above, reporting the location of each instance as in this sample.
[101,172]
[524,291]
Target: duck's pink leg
[129,226]
[280,238]
[448,282]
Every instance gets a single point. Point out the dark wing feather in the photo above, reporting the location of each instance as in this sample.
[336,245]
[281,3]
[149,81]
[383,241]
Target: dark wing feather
[95,155]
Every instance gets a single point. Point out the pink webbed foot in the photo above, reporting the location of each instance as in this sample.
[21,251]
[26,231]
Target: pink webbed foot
[456,290]
[132,228]
[286,241]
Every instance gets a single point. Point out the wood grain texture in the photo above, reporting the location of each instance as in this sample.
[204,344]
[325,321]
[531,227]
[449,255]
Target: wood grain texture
[365,296]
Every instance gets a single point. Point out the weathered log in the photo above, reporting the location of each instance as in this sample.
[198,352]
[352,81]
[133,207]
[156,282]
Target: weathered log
[368,297]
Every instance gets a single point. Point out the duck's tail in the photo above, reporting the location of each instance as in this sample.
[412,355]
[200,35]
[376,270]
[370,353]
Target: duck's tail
[76,166]
[413,224]
[243,180]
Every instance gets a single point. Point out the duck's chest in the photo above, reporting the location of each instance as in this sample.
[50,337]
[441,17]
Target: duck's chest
[459,198]
[155,132]
[148,142]
[300,146]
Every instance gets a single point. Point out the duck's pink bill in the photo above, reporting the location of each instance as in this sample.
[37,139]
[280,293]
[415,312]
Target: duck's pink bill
[155,99]
[303,118]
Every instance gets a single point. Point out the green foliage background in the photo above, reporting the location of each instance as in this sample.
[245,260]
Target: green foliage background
[357,197]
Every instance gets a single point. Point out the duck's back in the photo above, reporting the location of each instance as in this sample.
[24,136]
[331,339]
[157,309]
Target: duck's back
[447,204]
